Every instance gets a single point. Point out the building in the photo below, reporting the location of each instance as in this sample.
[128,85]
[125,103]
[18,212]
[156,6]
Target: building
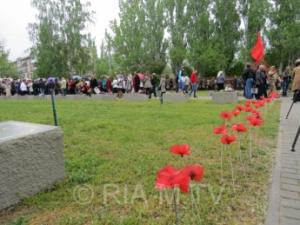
[25,67]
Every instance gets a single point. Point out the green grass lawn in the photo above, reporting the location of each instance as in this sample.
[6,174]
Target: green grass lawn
[117,147]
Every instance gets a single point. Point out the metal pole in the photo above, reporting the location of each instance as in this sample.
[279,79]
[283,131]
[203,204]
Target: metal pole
[287,115]
[295,140]
[53,108]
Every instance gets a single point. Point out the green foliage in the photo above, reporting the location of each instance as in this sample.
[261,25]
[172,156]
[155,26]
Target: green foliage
[209,34]
[284,32]
[177,21]
[227,29]
[236,69]
[102,67]
[60,45]
[208,60]
[7,68]
[138,39]
[20,221]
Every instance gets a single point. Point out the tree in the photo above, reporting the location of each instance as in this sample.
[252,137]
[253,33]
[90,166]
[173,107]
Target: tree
[60,44]
[7,68]
[227,23]
[177,21]
[128,36]
[138,39]
[284,32]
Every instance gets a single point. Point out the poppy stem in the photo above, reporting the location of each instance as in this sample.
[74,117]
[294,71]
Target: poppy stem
[175,207]
[222,149]
[240,154]
[250,143]
[195,207]
[232,172]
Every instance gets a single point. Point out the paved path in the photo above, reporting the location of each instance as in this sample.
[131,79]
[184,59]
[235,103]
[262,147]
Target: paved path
[284,205]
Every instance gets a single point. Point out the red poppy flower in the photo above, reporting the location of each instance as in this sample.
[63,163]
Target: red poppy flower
[248,103]
[195,172]
[227,140]
[262,102]
[182,181]
[240,108]
[220,130]
[239,127]
[164,177]
[269,100]
[248,109]
[256,114]
[259,103]
[254,121]
[274,94]
[168,178]
[180,149]
[236,112]
[226,115]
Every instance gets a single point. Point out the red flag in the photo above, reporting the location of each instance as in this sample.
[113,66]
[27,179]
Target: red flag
[258,51]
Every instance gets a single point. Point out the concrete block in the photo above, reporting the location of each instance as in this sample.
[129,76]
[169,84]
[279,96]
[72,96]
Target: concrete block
[175,98]
[31,160]
[225,97]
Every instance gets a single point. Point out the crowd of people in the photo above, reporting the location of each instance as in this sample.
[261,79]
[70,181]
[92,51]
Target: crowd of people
[256,82]
[119,84]
[262,80]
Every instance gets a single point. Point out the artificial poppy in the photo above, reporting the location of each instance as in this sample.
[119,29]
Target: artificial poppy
[248,109]
[256,114]
[220,130]
[182,181]
[240,108]
[239,127]
[180,149]
[195,172]
[248,103]
[164,177]
[236,112]
[227,139]
[226,115]
[254,121]
[274,94]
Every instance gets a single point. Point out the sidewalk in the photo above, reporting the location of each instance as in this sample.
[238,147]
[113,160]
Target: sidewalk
[284,199]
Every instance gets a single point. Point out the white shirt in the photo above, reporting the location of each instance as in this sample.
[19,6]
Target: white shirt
[23,86]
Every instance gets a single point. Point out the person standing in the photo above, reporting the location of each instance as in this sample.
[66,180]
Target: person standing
[296,81]
[7,87]
[162,88]
[187,84]
[272,78]
[248,78]
[221,80]
[194,83]
[23,88]
[148,86]
[286,78]
[93,84]
[136,83]
[63,86]
[261,82]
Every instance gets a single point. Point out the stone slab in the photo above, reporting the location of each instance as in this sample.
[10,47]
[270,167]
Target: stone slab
[223,97]
[31,160]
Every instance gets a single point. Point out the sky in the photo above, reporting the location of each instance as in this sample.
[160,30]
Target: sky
[16,14]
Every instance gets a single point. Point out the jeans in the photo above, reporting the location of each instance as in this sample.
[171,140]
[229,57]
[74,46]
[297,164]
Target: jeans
[285,85]
[194,90]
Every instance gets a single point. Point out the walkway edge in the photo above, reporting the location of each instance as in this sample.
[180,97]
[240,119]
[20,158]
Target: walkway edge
[274,189]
